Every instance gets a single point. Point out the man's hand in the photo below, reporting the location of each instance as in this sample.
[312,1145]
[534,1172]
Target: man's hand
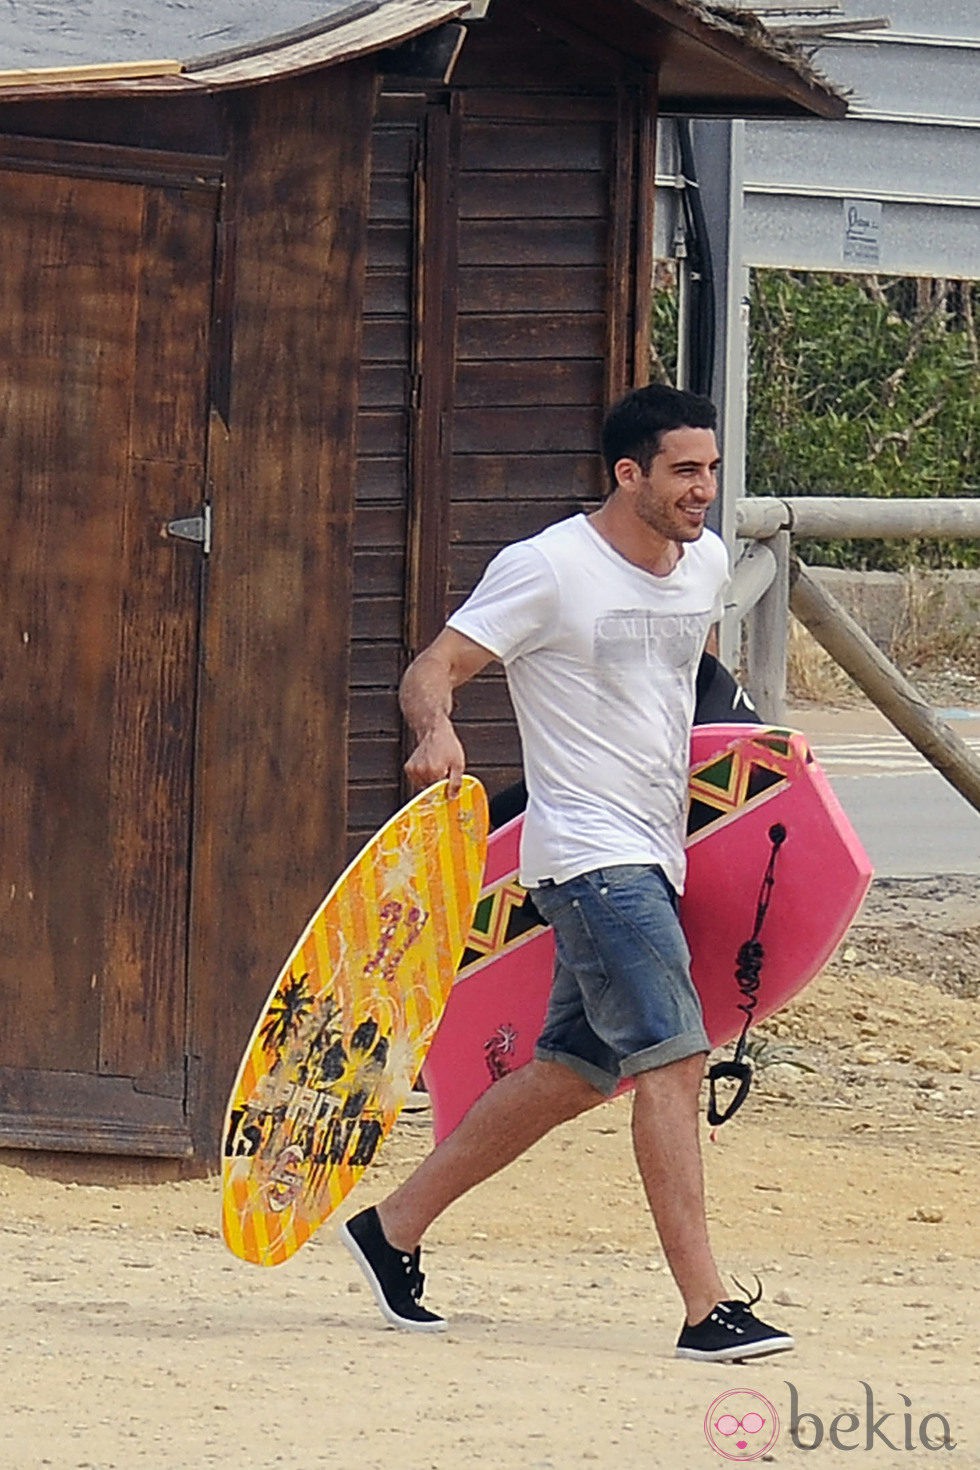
[437,756]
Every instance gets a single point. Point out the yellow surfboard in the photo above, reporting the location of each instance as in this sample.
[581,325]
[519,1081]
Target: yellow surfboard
[347,1025]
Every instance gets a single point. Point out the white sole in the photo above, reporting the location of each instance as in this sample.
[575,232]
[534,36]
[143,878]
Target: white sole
[392,1318]
[736,1354]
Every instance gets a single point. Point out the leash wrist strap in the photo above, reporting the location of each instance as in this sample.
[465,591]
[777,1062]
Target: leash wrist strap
[748,975]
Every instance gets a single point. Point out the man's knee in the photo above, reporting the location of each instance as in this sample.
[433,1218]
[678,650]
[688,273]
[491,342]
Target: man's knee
[568,1092]
[683,1075]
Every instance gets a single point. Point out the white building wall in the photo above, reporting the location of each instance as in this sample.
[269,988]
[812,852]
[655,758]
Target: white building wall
[895,187]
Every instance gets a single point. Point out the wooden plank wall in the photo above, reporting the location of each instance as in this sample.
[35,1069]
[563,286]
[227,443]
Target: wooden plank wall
[403,462]
[491,354]
[385,428]
[535,228]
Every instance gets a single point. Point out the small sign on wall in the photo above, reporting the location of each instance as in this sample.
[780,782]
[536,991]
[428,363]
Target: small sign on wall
[862,232]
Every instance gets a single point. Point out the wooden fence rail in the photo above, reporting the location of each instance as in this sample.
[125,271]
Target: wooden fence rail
[766,588]
[841,518]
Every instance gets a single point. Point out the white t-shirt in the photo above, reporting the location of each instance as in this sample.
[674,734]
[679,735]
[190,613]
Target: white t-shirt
[601,658]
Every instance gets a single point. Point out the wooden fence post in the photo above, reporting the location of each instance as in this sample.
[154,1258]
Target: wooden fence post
[766,637]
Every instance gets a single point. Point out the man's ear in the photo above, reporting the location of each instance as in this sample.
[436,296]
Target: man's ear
[627,472]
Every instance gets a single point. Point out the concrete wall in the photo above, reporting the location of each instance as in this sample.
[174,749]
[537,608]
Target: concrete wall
[904,611]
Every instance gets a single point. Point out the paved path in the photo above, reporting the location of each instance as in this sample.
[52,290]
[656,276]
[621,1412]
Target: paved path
[875,755]
[912,822]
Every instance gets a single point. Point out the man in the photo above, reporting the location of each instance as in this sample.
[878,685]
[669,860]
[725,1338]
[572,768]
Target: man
[599,622]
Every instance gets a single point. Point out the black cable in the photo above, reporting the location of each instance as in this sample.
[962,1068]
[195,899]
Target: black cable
[702,276]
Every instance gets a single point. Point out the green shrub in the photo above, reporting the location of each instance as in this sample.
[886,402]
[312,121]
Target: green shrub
[864,387]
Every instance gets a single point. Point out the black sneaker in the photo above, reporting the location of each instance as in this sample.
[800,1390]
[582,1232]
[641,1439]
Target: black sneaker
[393,1276]
[730,1333]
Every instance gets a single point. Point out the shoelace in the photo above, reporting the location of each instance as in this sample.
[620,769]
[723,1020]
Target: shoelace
[740,1308]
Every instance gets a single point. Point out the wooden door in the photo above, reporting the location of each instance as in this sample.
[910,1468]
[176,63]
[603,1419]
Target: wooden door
[104,326]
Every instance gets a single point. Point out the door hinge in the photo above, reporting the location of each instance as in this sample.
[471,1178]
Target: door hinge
[194,528]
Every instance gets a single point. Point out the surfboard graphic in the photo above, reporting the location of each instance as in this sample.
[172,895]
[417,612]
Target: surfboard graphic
[340,1041]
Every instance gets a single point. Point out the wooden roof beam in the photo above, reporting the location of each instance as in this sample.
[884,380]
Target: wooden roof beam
[706,64]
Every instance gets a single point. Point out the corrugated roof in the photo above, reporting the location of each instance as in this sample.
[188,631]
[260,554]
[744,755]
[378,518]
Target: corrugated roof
[139,46]
[73,33]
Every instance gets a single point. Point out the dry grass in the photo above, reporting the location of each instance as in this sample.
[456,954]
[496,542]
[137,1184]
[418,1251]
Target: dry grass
[937,631]
[812,675]
[937,637]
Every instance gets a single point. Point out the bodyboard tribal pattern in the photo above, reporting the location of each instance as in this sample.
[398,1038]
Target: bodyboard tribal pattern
[757,766]
[347,1026]
[503,915]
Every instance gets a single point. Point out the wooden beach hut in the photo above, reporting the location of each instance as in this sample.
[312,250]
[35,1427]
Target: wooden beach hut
[306,308]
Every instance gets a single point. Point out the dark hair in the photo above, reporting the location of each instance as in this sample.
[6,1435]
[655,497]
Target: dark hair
[633,427]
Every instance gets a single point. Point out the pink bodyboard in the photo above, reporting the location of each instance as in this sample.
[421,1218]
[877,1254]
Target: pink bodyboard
[745,779]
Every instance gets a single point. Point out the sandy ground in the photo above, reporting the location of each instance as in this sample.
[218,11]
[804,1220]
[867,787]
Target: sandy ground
[848,1184]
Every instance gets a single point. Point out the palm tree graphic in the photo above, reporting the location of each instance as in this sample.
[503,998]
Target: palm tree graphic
[291,1004]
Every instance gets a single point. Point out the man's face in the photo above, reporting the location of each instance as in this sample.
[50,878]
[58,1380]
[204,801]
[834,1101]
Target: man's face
[672,499]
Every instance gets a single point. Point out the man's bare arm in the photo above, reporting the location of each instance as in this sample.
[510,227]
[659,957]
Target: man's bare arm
[426,698]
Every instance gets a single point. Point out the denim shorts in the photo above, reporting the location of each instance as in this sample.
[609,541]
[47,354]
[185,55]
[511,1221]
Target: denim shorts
[622,1001]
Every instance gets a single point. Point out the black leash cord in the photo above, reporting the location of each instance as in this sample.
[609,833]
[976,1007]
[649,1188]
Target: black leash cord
[748,975]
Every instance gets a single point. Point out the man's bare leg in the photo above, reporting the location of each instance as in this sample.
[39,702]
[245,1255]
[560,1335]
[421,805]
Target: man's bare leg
[511,1116]
[668,1153]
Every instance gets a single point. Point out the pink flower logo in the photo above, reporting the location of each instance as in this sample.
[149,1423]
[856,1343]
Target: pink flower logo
[741,1425]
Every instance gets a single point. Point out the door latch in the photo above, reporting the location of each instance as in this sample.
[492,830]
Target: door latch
[193,528]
